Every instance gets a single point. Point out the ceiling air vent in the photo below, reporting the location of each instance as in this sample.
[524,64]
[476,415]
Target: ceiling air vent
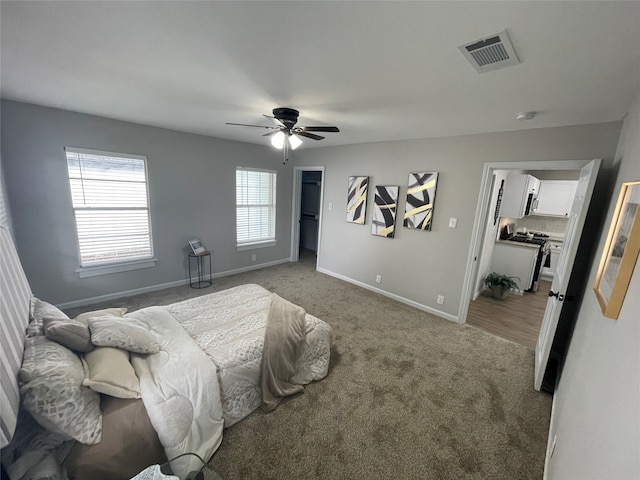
[490,53]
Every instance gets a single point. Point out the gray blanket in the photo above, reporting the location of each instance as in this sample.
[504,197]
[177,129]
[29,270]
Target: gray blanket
[285,332]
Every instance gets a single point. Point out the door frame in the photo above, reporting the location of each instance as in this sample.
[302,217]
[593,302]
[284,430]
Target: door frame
[296,202]
[482,209]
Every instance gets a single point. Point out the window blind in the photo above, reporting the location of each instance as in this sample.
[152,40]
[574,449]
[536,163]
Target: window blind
[110,201]
[255,206]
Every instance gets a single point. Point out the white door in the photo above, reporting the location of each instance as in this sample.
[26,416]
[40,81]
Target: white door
[565,264]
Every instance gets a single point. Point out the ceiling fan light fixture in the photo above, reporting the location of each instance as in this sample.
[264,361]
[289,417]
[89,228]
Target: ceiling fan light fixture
[277,140]
[294,141]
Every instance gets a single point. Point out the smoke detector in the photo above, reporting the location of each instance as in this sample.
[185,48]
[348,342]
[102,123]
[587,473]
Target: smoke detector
[525,116]
[490,53]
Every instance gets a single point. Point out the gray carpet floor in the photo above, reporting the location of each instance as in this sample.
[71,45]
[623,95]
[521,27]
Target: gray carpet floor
[408,395]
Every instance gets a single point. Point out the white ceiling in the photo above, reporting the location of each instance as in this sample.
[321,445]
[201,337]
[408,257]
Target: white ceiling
[378,70]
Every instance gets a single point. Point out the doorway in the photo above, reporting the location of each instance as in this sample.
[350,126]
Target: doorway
[519,316]
[307,214]
[576,219]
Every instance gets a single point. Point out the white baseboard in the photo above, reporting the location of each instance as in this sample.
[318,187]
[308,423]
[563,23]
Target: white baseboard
[162,286]
[406,301]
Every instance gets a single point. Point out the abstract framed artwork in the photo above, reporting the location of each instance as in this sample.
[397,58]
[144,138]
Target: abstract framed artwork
[357,199]
[620,252]
[421,195]
[384,211]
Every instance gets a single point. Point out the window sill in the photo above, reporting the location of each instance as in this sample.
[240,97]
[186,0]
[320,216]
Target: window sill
[254,246]
[98,270]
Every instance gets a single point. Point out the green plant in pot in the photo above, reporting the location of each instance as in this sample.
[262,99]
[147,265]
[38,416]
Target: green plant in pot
[501,284]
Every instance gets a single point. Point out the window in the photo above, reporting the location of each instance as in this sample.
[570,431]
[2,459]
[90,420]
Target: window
[111,206]
[255,207]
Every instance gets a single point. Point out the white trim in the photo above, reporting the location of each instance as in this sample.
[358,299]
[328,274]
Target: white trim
[406,301]
[147,186]
[295,211]
[89,151]
[254,246]
[254,169]
[249,243]
[481,216]
[97,270]
[296,198]
[162,286]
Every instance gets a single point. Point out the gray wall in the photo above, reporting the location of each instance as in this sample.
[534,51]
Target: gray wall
[597,403]
[191,181]
[418,265]
[191,188]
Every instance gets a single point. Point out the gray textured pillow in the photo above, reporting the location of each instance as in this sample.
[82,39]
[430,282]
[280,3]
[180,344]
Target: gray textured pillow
[52,392]
[69,333]
[39,311]
[109,331]
[115,312]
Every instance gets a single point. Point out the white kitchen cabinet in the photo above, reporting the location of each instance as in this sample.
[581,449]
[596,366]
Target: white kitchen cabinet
[555,197]
[520,191]
[515,260]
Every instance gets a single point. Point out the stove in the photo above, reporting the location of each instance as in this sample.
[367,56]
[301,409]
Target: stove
[539,239]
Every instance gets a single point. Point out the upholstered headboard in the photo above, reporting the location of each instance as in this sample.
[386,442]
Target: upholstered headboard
[14,318]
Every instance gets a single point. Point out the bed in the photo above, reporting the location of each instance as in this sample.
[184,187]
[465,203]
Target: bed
[110,392]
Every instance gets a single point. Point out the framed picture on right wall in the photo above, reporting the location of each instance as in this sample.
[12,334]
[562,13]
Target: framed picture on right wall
[421,195]
[620,253]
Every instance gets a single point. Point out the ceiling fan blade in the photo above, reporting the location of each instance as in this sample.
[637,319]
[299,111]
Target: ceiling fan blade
[321,129]
[274,132]
[273,119]
[309,135]
[245,125]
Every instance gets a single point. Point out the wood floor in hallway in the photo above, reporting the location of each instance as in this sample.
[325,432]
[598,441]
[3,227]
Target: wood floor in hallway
[517,318]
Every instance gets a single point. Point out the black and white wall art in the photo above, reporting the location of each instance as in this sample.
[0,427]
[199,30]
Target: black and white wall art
[357,199]
[421,194]
[384,211]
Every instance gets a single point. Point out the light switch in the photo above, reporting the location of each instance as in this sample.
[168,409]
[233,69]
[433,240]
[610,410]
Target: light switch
[330,206]
[453,222]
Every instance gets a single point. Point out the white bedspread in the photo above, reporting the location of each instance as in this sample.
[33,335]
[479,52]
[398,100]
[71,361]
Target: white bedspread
[207,374]
[180,390]
[230,327]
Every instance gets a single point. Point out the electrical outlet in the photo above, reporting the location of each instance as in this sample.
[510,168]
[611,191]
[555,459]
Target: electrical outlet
[254,258]
[453,222]
[378,278]
[330,206]
[440,299]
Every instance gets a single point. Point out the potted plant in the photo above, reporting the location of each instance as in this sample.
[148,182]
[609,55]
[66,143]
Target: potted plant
[500,284]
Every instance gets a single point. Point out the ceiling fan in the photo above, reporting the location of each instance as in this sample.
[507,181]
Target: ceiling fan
[284,134]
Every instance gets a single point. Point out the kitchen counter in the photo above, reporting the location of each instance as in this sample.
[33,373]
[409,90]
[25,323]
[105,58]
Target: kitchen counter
[519,244]
[556,238]
[516,259]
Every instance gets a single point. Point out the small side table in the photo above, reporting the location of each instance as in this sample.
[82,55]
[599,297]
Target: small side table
[204,280]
